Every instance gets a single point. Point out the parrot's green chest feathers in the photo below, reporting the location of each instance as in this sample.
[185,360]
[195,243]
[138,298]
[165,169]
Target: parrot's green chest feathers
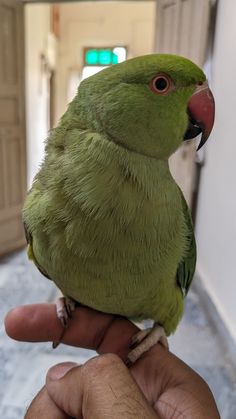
[110,232]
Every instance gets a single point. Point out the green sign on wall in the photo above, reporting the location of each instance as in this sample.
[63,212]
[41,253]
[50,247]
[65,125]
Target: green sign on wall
[104,56]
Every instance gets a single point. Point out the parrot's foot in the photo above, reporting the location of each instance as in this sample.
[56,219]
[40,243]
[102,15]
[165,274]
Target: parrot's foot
[65,307]
[145,340]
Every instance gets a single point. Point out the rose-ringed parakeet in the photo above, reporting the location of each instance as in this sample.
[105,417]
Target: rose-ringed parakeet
[104,218]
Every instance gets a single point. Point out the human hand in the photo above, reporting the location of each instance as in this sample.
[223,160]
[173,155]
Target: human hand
[158,385]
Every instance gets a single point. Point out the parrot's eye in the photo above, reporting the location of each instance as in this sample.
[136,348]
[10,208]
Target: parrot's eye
[161,84]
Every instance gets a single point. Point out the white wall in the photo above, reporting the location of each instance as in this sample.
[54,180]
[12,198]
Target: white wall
[37,26]
[216,220]
[126,23]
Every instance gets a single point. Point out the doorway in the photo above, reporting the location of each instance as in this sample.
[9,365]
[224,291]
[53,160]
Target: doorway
[12,125]
[62,42]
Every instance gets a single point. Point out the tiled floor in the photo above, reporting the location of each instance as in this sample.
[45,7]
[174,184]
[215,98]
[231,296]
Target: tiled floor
[195,342]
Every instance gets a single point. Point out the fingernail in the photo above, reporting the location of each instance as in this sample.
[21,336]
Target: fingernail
[58,371]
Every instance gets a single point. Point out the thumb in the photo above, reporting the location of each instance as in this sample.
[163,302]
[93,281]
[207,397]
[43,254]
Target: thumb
[102,387]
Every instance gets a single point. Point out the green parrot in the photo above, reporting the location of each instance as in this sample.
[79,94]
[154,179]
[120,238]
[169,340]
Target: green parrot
[105,219]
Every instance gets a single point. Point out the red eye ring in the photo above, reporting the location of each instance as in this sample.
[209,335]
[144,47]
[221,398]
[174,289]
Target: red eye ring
[161,84]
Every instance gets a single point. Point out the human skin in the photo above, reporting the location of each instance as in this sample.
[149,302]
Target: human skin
[158,385]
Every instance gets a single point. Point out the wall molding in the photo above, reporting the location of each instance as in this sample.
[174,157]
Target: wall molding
[215,318]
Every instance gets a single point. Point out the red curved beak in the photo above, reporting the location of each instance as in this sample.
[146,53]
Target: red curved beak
[201,111]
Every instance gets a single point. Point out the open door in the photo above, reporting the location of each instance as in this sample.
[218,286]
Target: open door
[12,125]
[182,28]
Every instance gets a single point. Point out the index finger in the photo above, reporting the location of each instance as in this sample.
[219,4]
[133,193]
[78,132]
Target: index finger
[87,329]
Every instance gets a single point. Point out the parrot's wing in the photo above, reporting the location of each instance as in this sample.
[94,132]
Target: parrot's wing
[187,266]
[30,252]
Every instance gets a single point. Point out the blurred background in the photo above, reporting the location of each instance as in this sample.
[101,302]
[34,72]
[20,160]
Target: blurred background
[46,49]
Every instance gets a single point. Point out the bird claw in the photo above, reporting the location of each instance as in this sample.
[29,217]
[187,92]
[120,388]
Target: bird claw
[64,307]
[145,340]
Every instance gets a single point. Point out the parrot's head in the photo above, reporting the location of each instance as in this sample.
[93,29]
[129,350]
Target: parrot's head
[148,104]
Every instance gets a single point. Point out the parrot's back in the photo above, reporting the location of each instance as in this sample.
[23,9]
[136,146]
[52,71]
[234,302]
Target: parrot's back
[108,227]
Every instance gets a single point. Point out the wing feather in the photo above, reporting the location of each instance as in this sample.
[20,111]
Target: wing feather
[186,268]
